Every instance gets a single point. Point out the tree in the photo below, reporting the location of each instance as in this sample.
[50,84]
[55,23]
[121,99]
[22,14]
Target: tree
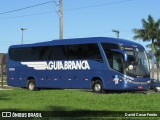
[150,31]
[157,54]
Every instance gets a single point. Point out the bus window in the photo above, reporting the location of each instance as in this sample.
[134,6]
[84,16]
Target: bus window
[84,51]
[57,53]
[38,53]
[20,54]
[115,60]
[75,52]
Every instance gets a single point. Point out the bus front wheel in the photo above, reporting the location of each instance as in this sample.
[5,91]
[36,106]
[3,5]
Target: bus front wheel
[31,85]
[97,86]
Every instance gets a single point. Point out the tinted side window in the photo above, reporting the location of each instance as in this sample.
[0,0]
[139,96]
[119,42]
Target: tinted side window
[38,53]
[59,52]
[110,46]
[75,52]
[84,51]
[92,52]
[115,59]
[19,54]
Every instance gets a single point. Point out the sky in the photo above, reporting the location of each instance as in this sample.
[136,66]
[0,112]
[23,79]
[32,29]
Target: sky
[81,18]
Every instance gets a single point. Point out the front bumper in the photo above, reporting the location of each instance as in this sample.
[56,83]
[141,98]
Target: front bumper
[132,85]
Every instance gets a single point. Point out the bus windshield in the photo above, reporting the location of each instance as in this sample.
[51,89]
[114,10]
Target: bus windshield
[137,64]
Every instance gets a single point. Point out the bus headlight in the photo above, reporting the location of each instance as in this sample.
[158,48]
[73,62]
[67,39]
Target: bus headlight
[149,81]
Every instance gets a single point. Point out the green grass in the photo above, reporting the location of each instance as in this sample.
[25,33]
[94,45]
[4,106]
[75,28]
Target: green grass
[74,100]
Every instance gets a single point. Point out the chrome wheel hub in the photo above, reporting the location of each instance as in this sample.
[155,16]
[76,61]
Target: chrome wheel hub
[97,87]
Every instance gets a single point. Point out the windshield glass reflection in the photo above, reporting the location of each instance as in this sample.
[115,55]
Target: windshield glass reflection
[137,64]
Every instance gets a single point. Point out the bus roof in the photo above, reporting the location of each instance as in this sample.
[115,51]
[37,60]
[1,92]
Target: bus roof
[82,41]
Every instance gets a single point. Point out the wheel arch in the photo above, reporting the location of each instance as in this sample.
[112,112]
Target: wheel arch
[29,79]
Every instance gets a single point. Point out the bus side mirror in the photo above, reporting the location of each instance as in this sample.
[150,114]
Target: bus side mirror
[121,52]
[125,57]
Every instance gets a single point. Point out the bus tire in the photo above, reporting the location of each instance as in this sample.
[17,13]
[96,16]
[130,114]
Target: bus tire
[97,86]
[31,85]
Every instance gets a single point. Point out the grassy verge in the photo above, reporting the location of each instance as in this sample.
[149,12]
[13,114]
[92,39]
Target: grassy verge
[64,100]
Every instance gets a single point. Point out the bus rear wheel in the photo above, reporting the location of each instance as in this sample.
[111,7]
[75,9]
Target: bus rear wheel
[97,86]
[31,85]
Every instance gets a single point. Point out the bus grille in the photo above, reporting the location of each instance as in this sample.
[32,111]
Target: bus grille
[141,83]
